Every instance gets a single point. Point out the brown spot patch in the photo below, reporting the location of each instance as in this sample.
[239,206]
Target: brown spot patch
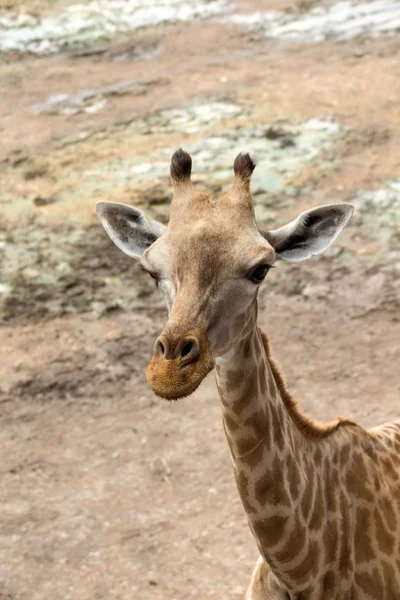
[318,512]
[293,476]
[235,380]
[309,565]
[330,492]
[357,479]
[249,393]
[255,456]
[258,423]
[270,530]
[294,543]
[329,582]
[247,349]
[363,549]
[270,488]
[306,500]
[242,484]
[389,468]
[371,584]
[331,538]
[385,538]
[243,446]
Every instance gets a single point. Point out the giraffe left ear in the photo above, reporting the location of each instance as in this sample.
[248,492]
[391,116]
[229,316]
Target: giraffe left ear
[128,227]
[311,233]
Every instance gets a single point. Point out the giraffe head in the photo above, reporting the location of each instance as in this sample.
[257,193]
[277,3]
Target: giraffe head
[209,262]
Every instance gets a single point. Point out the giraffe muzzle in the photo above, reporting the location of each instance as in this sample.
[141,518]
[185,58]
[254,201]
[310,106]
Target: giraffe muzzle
[178,366]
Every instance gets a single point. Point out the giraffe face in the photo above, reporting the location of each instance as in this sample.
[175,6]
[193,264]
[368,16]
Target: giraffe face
[210,274]
[209,270]
[209,263]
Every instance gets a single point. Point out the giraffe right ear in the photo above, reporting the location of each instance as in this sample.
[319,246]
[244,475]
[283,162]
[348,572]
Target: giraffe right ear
[311,233]
[128,227]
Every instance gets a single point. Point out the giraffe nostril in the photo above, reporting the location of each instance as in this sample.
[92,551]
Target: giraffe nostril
[186,349]
[159,348]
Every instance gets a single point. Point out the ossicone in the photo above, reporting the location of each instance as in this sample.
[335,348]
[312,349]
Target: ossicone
[243,166]
[181,166]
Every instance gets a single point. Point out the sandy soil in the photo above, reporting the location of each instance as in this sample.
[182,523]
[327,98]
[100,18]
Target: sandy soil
[107,491]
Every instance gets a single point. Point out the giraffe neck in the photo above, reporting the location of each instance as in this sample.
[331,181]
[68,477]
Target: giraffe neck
[276,452]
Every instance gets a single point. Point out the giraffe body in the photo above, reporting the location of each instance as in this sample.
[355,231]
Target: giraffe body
[322,500]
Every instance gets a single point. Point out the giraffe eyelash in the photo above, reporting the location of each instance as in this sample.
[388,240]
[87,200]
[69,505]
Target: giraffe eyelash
[151,273]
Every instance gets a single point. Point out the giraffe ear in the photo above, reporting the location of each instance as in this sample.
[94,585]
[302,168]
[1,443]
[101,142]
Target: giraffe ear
[128,227]
[311,233]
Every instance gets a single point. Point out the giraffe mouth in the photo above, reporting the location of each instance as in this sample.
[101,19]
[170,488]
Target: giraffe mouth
[172,380]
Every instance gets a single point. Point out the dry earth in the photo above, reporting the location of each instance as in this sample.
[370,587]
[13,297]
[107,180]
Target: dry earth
[107,491]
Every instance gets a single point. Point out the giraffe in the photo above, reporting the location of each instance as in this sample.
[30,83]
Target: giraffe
[322,500]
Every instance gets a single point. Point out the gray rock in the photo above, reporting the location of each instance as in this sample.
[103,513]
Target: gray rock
[82,24]
[341,21]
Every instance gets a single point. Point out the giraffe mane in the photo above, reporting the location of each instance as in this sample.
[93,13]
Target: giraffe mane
[309,427]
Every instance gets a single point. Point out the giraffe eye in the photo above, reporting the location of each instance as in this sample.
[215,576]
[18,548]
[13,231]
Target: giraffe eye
[259,273]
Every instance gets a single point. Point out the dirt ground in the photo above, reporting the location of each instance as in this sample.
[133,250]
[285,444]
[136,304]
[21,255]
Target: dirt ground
[107,491]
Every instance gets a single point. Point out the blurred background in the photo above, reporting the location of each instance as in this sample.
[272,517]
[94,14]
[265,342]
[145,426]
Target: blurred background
[107,491]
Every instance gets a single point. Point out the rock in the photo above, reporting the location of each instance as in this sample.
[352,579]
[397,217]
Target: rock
[34,172]
[316,290]
[342,21]
[91,101]
[80,25]
[274,133]
[44,201]
[287,142]
[154,195]
[379,212]
[372,288]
